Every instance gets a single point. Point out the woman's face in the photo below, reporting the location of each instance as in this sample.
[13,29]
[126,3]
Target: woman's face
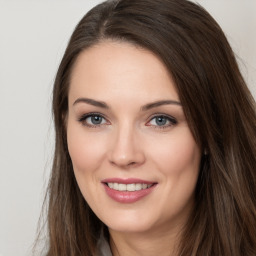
[134,157]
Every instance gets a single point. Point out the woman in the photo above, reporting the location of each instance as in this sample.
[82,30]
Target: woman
[155,137]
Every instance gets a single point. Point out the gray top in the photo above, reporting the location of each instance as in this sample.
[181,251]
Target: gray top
[103,247]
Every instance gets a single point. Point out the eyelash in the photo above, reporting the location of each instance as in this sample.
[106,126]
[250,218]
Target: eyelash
[83,118]
[172,121]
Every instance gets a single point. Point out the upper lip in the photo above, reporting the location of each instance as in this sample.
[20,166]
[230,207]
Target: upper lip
[127,181]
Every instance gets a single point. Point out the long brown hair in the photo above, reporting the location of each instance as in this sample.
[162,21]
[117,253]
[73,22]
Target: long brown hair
[218,106]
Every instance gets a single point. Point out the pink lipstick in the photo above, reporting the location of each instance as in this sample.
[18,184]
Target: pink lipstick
[128,190]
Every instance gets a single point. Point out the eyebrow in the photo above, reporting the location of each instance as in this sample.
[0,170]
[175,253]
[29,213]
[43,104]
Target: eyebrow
[146,107]
[96,103]
[160,103]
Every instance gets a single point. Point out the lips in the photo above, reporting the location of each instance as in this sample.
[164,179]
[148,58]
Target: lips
[128,190]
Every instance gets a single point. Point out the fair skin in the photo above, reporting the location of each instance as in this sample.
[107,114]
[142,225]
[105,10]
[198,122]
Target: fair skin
[115,133]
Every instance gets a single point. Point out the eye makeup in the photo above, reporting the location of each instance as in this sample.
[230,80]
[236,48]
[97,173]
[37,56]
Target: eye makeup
[93,120]
[156,121]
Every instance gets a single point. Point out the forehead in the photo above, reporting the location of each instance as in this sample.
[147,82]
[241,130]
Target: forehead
[110,68]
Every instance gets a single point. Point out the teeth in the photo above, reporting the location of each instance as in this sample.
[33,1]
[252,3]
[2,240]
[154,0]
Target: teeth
[122,187]
[138,186]
[129,187]
[115,186]
[144,186]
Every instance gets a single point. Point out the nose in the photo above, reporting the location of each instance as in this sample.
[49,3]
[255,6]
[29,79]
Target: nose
[126,149]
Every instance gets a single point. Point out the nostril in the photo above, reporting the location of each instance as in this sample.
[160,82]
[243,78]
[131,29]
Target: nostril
[132,163]
[124,164]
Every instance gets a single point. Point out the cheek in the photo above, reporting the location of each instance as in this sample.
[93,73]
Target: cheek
[178,161]
[177,154]
[180,151]
[86,151]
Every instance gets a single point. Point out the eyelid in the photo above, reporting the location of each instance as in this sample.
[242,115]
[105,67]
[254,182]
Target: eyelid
[171,119]
[83,117]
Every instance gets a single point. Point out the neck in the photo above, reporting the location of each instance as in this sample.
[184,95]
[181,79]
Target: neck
[144,243]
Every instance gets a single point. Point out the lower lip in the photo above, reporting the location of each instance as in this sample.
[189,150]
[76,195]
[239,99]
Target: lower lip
[127,196]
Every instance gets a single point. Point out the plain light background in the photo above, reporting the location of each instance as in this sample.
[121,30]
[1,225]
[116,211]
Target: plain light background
[33,36]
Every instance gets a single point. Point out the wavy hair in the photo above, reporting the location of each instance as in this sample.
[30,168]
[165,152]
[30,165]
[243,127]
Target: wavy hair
[217,104]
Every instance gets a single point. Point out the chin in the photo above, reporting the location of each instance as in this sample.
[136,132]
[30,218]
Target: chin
[129,228]
[130,224]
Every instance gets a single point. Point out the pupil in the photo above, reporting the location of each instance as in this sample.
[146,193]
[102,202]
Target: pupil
[96,119]
[161,120]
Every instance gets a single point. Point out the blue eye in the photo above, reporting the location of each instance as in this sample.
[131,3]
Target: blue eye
[92,120]
[162,121]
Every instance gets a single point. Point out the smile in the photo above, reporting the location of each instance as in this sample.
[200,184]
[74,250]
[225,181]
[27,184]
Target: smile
[128,190]
[129,187]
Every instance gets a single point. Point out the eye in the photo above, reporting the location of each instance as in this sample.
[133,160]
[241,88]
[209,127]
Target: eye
[162,121]
[92,120]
